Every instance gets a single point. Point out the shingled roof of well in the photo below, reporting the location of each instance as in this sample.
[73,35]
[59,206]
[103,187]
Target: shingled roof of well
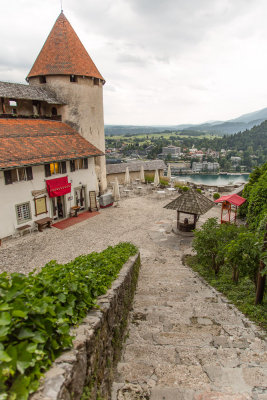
[27,92]
[33,142]
[191,202]
[135,166]
[64,54]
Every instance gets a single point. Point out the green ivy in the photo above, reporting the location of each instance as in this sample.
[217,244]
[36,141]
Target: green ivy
[37,311]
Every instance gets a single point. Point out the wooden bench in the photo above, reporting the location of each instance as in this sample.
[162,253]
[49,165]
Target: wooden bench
[43,223]
[74,211]
[21,229]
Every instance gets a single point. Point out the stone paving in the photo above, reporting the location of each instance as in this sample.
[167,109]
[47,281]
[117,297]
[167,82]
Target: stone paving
[185,341]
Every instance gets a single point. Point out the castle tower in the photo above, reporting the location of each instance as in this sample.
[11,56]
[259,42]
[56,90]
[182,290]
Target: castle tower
[64,66]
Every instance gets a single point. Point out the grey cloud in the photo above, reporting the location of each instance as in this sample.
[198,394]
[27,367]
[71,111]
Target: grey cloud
[110,88]
[179,44]
[131,59]
[198,87]
[16,60]
[160,26]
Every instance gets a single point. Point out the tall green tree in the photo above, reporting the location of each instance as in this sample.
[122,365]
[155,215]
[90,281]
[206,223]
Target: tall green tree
[243,254]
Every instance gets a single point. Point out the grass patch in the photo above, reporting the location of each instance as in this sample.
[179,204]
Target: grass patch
[242,295]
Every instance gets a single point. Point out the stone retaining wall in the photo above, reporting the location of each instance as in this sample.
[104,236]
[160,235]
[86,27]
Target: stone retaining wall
[87,369]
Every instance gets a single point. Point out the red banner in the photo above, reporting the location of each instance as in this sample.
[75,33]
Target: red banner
[58,186]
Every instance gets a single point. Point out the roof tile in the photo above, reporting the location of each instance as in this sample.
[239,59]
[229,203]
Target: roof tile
[27,92]
[64,54]
[31,142]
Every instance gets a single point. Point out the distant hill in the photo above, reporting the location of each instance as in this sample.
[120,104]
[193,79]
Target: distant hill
[117,130]
[240,124]
[256,138]
[226,128]
[254,116]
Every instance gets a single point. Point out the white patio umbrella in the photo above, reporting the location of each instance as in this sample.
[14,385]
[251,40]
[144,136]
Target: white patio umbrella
[169,172]
[156,178]
[142,174]
[116,190]
[127,179]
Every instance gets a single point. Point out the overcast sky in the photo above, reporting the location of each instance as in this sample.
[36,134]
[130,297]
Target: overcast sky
[164,61]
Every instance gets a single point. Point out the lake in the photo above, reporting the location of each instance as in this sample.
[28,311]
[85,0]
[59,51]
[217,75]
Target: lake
[213,180]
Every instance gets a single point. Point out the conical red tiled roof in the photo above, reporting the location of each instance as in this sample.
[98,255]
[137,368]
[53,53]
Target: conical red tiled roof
[64,54]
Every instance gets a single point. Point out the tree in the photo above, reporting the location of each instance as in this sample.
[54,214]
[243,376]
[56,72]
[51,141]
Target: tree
[257,203]
[253,180]
[209,243]
[168,157]
[243,255]
[261,279]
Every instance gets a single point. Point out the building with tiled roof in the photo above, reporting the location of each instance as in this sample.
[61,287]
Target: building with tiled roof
[26,92]
[134,167]
[52,143]
[28,142]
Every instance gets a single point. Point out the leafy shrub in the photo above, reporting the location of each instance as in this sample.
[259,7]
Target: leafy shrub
[233,249]
[257,202]
[243,254]
[149,178]
[199,191]
[37,311]
[255,192]
[178,186]
[216,196]
[185,188]
[164,181]
[209,242]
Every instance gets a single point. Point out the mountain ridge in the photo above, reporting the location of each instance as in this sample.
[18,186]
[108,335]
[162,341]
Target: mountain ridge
[235,125]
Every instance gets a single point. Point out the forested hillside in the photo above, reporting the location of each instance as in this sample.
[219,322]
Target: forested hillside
[252,142]
[254,138]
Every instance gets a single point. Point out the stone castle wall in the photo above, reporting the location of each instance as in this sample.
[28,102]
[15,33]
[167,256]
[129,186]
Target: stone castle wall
[83,111]
[88,367]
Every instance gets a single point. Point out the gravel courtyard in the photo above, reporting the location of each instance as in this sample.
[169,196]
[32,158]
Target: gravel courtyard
[185,342]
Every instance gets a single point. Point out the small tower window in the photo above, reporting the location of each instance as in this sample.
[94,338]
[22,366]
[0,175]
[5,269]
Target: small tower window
[96,81]
[54,111]
[42,79]
[73,78]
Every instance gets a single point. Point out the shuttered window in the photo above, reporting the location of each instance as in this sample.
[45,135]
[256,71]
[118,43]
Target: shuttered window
[72,165]
[18,175]
[63,167]
[55,168]
[29,173]
[8,178]
[79,163]
[47,170]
